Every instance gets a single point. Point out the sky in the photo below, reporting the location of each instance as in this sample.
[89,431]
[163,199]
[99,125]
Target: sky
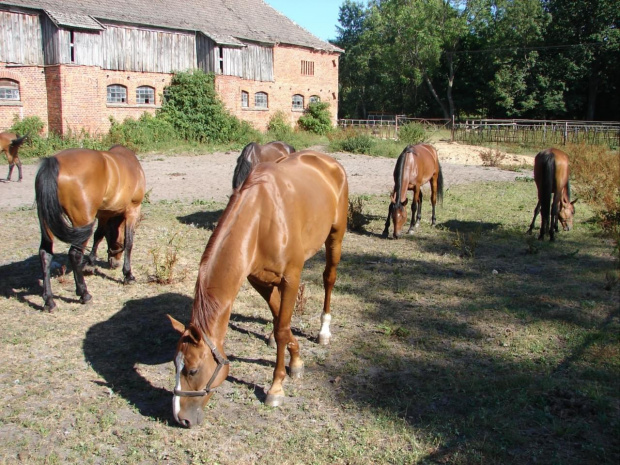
[320,17]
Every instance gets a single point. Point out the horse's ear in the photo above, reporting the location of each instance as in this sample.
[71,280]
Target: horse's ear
[393,197]
[177,325]
[194,334]
[574,202]
[404,202]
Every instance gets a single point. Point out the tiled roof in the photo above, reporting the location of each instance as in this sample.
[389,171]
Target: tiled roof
[224,21]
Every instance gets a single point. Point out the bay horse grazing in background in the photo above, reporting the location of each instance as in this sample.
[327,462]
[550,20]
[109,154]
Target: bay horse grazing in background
[253,154]
[278,219]
[551,174]
[10,144]
[77,186]
[416,165]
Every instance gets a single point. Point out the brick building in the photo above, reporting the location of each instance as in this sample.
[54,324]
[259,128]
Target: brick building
[76,64]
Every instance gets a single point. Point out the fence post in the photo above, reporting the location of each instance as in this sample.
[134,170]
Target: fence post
[452,131]
[565,132]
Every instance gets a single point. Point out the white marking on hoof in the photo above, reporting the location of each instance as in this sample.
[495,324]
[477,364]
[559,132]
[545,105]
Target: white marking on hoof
[325,335]
[274,400]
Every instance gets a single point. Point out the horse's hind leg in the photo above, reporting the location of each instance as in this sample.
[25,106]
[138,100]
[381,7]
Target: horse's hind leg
[19,169]
[46,256]
[386,230]
[536,211]
[76,256]
[416,210]
[130,225]
[333,253]
[91,258]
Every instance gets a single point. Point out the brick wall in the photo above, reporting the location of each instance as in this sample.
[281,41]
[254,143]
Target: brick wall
[69,98]
[33,94]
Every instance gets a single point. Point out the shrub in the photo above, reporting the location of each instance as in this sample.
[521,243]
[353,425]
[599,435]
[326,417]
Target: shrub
[356,220]
[279,126]
[492,157]
[194,109]
[412,133]
[351,140]
[31,125]
[141,133]
[316,118]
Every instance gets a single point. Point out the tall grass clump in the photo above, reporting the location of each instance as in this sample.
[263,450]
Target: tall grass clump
[279,127]
[596,171]
[351,140]
[412,134]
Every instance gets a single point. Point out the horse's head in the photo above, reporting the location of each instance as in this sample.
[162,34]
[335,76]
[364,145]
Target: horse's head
[566,213]
[399,214]
[200,367]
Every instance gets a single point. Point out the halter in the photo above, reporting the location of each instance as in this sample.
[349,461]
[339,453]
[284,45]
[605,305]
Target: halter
[221,361]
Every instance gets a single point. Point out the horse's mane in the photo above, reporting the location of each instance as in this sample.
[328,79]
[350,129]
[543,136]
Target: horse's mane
[398,174]
[244,165]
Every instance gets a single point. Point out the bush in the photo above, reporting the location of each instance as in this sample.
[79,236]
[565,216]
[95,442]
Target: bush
[351,140]
[278,126]
[142,133]
[492,157]
[31,125]
[412,134]
[316,118]
[194,109]
[356,220]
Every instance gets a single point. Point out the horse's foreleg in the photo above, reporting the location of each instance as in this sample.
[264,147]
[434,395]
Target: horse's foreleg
[19,169]
[419,216]
[553,224]
[91,258]
[536,211]
[415,217]
[46,256]
[11,166]
[75,256]
[130,224]
[285,340]
[433,202]
[386,230]
[271,295]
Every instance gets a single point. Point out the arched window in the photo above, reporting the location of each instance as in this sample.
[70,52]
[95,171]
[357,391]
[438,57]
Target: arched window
[145,95]
[315,99]
[117,94]
[9,89]
[298,102]
[245,99]
[260,100]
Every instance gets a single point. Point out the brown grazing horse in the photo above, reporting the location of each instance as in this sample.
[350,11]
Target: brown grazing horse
[279,218]
[253,154]
[9,144]
[416,165]
[551,176]
[77,186]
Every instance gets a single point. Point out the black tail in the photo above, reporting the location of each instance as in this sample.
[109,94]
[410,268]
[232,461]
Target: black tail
[19,141]
[244,166]
[547,178]
[398,175]
[51,214]
[440,184]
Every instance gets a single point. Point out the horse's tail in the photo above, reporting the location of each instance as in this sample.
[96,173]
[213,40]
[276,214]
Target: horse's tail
[440,184]
[19,141]
[398,177]
[51,214]
[547,178]
[244,165]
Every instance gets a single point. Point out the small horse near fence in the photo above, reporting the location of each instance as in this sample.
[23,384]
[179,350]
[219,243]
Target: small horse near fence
[416,165]
[551,174]
[279,218]
[10,144]
[77,186]
[253,154]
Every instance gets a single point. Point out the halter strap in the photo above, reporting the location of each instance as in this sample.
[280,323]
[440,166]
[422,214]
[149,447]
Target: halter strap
[221,361]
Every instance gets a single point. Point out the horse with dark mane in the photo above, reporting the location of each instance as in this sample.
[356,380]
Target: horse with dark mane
[77,186]
[416,165]
[10,144]
[253,154]
[279,218]
[551,173]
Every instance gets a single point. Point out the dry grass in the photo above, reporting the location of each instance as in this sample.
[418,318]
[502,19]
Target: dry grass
[434,358]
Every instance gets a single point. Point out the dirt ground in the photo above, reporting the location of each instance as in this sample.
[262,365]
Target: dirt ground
[208,177]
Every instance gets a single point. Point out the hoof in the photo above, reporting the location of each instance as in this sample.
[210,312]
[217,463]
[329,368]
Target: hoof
[324,339]
[385,234]
[88,269]
[86,298]
[271,342]
[49,307]
[130,279]
[297,372]
[274,400]
[411,232]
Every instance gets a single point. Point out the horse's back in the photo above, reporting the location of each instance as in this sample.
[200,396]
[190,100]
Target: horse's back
[6,138]
[551,162]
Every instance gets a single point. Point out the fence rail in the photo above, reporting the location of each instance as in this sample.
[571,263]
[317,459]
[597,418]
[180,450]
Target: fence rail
[474,131]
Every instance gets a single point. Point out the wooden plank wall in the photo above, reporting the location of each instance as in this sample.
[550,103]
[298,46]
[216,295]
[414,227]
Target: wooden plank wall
[20,38]
[207,54]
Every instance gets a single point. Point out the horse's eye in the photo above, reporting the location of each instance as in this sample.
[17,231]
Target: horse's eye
[192,372]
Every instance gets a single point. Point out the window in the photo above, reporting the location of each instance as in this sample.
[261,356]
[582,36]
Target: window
[307,68]
[145,95]
[260,100]
[298,102]
[117,94]
[315,99]
[9,89]
[72,45]
[245,99]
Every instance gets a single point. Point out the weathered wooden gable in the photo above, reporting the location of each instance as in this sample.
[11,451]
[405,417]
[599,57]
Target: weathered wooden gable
[20,38]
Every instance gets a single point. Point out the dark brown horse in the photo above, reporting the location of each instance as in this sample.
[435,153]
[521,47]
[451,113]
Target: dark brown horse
[280,217]
[416,165]
[9,144]
[253,154]
[77,186]
[551,174]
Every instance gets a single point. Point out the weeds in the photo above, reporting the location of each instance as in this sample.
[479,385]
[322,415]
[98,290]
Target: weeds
[492,157]
[165,260]
[467,243]
[356,220]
